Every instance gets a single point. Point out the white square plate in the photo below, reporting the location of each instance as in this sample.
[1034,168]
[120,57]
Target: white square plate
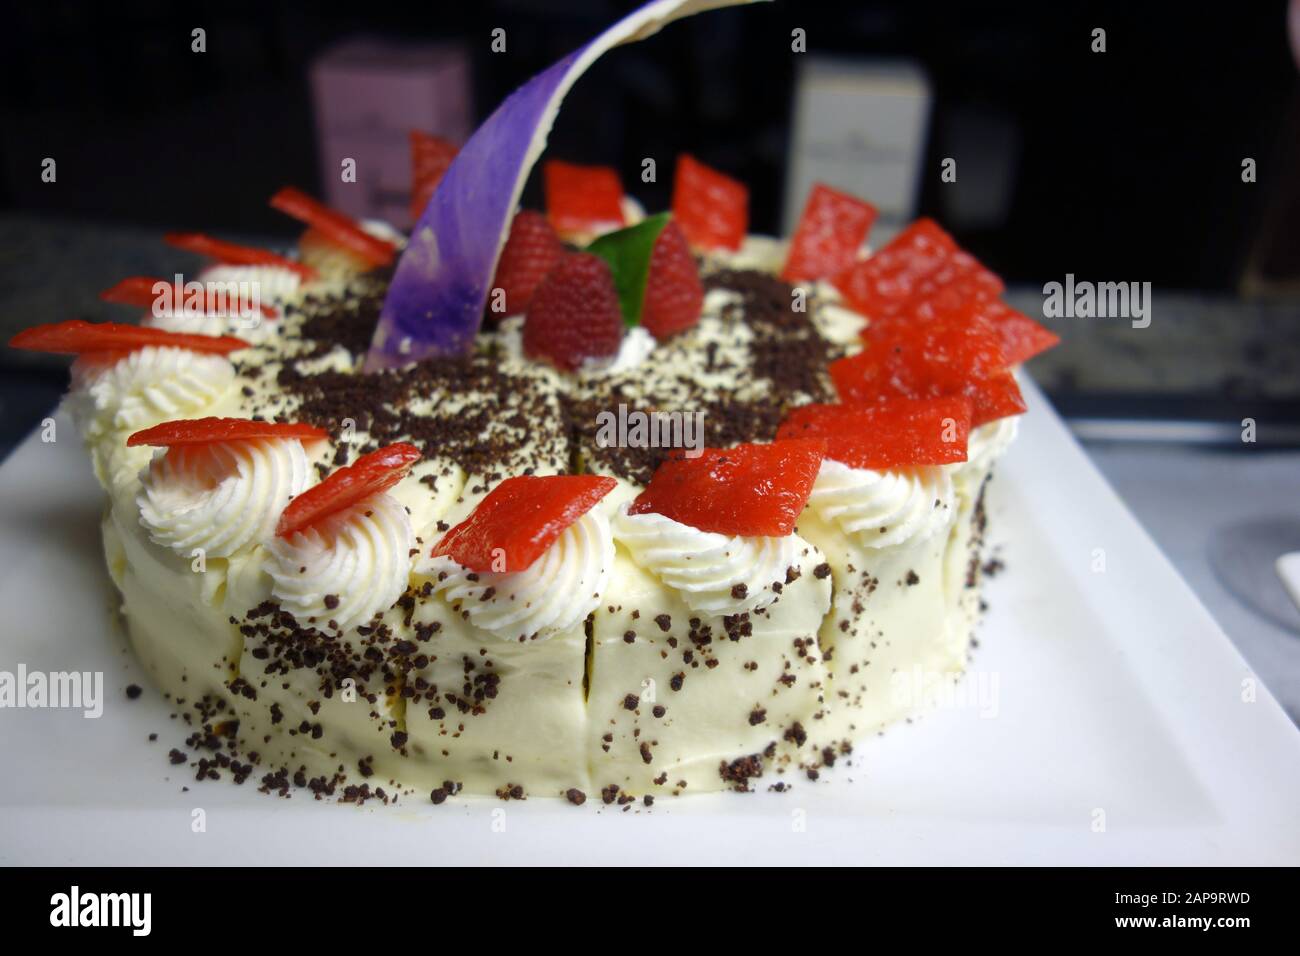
[1105,720]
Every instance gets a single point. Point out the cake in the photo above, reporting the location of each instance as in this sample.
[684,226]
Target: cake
[665,508]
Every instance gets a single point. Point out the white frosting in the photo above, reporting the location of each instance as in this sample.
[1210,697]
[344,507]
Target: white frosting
[879,509]
[705,567]
[382,229]
[221,497]
[254,329]
[764,253]
[555,593]
[272,284]
[145,387]
[635,348]
[361,556]
[987,443]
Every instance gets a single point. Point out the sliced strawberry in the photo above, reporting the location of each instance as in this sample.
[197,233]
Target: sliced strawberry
[519,519]
[531,251]
[75,337]
[204,431]
[956,353]
[960,278]
[333,225]
[745,490]
[673,292]
[711,207]
[581,200]
[145,293]
[574,313]
[235,254]
[430,158]
[831,230]
[902,433]
[1021,337]
[368,475]
[881,285]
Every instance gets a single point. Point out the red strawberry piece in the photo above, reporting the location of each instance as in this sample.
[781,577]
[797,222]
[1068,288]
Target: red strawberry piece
[334,226]
[430,158]
[75,337]
[1021,337]
[582,199]
[519,519]
[146,293]
[204,431]
[711,207]
[531,251]
[673,293]
[883,283]
[958,279]
[234,253]
[896,434]
[831,230]
[957,353]
[574,313]
[368,475]
[745,490]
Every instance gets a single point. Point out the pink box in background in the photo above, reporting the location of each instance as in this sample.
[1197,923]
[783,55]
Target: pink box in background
[369,94]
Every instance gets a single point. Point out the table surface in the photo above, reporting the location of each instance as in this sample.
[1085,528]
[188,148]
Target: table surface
[1183,495]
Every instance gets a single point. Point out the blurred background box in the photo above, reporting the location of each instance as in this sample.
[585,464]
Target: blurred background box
[368,94]
[859,125]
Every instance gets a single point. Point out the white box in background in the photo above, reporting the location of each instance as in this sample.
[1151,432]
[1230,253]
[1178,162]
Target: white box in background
[369,94]
[860,126]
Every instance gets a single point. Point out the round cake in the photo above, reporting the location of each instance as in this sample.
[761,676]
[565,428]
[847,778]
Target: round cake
[676,508]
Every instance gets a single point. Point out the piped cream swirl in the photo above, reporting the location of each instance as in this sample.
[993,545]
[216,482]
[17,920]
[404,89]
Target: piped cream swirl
[713,573]
[555,593]
[221,497]
[250,285]
[145,387]
[273,284]
[879,509]
[347,568]
[986,444]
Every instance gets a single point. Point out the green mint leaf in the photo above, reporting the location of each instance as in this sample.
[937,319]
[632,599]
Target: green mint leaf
[628,253]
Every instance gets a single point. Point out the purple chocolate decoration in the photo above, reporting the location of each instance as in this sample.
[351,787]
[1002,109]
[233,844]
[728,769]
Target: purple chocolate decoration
[436,300]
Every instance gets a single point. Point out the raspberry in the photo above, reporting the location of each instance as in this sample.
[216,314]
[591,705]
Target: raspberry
[574,313]
[673,294]
[531,251]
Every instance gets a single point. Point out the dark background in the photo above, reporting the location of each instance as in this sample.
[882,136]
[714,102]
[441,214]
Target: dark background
[1128,163]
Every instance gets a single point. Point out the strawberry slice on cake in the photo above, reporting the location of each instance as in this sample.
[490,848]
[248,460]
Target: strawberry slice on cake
[582,200]
[745,490]
[711,207]
[232,253]
[78,337]
[933,356]
[520,519]
[369,475]
[831,230]
[329,227]
[893,434]
[211,430]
